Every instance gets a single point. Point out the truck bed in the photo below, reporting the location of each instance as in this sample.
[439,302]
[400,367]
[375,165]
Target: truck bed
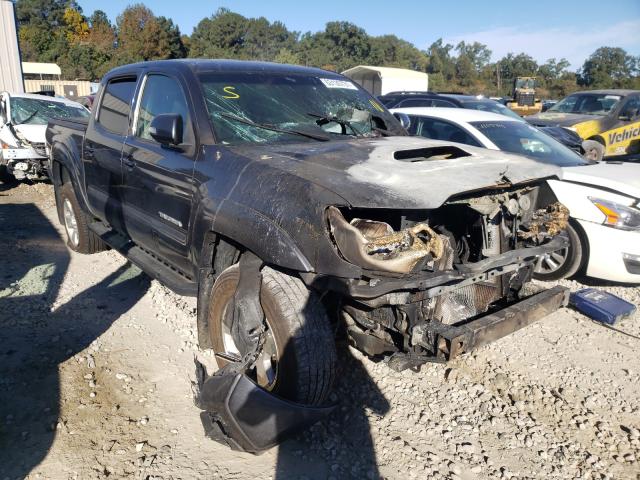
[69,132]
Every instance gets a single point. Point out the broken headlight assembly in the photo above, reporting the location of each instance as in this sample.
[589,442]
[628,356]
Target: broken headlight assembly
[618,215]
[375,245]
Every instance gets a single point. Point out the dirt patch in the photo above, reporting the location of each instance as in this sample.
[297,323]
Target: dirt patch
[96,371]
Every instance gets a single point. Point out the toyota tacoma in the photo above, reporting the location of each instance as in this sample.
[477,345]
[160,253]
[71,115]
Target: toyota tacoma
[294,206]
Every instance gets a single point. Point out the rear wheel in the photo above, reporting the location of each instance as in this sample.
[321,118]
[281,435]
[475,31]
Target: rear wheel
[76,224]
[562,263]
[297,359]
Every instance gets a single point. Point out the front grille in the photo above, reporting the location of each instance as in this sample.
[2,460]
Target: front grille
[526,99]
[466,302]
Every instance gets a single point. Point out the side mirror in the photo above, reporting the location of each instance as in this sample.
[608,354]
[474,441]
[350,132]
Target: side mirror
[166,129]
[404,119]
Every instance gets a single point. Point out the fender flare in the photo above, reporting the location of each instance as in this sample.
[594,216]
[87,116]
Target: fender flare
[61,157]
[272,244]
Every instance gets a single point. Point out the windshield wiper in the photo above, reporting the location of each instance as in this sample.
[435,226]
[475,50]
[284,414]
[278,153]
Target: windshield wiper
[35,112]
[273,128]
[325,119]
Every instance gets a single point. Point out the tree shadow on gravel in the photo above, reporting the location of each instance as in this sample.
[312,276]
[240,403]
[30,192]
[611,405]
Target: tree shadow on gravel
[341,446]
[34,341]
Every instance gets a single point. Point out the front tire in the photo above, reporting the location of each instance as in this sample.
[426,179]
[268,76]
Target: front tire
[297,360]
[76,224]
[563,263]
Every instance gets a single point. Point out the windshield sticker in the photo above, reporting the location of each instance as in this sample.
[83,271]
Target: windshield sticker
[612,97]
[230,93]
[334,83]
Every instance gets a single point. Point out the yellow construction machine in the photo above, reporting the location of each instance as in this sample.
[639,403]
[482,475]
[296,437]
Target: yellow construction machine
[524,101]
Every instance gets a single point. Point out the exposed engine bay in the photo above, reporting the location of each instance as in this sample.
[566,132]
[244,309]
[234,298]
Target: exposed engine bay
[482,246]
[23,159]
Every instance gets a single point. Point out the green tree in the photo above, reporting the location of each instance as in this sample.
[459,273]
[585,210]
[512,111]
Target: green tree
[219,36]
[391,51]
[441,67]
[143,36]
[553,69]
[44,12]
[170,38]
[609,67]
[348,43]
[102,35]
[478,54]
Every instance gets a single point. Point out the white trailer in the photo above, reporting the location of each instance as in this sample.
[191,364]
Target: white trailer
[383,80]
[10,68]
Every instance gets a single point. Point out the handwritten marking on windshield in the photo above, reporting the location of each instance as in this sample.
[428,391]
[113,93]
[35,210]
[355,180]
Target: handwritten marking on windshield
[230,91]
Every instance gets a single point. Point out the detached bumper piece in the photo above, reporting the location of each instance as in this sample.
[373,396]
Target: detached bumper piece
[449,341]
[245,417]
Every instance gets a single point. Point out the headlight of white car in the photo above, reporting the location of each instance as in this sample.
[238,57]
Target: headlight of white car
[617,215]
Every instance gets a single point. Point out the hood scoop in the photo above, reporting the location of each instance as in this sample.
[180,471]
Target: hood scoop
[441,152]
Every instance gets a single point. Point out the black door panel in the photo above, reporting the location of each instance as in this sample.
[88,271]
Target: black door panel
[158,180]
[102,151]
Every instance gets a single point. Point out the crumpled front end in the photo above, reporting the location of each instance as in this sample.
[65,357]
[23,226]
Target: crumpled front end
[22,158]
[428,271]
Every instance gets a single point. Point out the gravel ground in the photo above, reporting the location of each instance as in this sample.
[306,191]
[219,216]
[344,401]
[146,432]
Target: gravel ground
[96,372]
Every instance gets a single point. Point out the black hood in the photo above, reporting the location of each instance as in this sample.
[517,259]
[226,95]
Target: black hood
[393,172]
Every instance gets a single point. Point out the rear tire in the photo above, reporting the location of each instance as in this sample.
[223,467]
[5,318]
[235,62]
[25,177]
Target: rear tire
[564,263]
[76,224]
[305,354]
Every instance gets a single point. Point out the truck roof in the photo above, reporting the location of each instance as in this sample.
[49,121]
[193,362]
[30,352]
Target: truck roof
[240,66]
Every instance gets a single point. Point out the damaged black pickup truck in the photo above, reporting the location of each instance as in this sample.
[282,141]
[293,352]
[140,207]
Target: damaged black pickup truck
[293,205]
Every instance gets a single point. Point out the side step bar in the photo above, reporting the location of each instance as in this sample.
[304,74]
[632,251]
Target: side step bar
[148,263]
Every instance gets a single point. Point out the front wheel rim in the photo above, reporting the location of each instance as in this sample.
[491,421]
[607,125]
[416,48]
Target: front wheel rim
[70,223]
[265,368]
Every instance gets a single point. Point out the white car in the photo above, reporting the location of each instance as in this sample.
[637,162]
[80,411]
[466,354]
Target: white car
[603,198]
[23,123]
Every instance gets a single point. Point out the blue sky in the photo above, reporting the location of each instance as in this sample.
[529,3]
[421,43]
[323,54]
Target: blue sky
[542,28]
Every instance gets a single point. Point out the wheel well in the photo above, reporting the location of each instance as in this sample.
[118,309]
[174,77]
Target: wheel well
[598,139]
[218,253]
[584,240]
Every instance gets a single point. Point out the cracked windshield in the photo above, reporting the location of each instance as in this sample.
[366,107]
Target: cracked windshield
[260,108]
[38,112]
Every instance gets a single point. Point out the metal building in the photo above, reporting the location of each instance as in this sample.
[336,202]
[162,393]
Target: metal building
[10,67]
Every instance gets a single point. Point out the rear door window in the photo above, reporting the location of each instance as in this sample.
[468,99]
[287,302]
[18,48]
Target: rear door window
[116,105]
